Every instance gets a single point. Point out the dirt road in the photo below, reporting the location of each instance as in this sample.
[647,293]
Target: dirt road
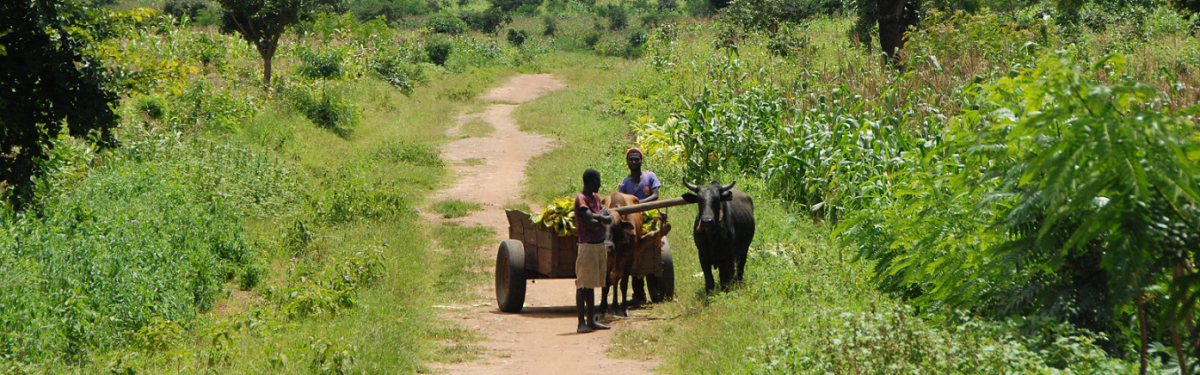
[541,339]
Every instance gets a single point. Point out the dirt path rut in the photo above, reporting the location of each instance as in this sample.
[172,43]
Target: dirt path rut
[541,339]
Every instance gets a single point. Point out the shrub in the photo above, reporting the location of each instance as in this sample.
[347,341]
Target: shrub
[392,10]
[769,15]
[490,20]
[352,194]
[438,49]
[516,37]
[204,107]
[616,15]
[181,8]
[590,39]
[397,71]
[317,64]
[511,5]
[613,47]
[150,106]
[446,23]
[551,26]
[638,39]
[789,42]
[328,109]
[211,51]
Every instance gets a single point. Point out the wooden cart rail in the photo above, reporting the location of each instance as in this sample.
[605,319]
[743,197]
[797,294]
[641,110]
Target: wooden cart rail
[640,207]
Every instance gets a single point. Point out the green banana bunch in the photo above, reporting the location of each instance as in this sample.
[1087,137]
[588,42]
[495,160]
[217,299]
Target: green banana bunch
[558,216]
[652,221]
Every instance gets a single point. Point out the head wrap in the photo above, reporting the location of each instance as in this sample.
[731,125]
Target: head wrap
[632,149]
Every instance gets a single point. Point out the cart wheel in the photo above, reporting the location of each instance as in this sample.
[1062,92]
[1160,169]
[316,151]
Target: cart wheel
[663,289]
[510,276]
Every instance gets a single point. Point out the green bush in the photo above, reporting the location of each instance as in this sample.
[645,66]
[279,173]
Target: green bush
[204,107]
[617,16]
[316,64]
[512,5]
[391,10]
[551,26]
[489,20]
[613,47]
[769,15]
[591,39]
[150,106]
[516,37]
[397,71]
[327,109]
[352,194]
[438,49]
[325,288]
[446,23]
[181,8]
[790,42]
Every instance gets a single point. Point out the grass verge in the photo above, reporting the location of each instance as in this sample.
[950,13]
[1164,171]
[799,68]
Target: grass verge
[450,209]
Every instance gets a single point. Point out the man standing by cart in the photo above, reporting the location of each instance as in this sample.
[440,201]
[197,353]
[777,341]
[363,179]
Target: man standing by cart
[591,264]
[644,185]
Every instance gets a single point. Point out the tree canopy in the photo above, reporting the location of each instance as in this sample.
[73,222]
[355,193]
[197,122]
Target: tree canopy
[47,80]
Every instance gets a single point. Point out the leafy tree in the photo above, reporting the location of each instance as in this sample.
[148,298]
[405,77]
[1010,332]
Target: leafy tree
[446,23]
[179,8]
[551,26]
[48,78]
[617,17]
[718,4]
[511,5]
[393,10]
[262,22]
[517,37]
[769,14]
[438,49]
[489,20]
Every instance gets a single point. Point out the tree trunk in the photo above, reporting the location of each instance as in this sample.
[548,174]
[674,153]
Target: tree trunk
[267,68]
[891,29]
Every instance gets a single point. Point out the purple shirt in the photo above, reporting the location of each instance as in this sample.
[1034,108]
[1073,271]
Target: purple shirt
[643,188]
[588,234]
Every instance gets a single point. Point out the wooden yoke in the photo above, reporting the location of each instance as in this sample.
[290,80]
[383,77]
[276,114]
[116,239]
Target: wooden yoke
[640,207]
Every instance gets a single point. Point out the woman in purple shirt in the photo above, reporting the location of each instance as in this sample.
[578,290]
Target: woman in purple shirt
[644,185]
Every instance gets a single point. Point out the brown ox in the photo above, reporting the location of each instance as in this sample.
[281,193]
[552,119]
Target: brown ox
[628,243]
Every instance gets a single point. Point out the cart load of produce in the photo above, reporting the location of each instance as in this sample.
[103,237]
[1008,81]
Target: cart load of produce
[560,217]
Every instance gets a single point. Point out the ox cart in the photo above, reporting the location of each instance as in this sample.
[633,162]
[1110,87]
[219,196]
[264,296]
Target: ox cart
[534,251]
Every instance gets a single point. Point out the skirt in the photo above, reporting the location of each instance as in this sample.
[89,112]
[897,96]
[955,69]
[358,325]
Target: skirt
[591,265]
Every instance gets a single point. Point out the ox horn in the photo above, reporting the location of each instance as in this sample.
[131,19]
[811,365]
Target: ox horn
[727,187]
[693,188]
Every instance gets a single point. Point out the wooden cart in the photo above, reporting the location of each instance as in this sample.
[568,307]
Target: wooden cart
[536,252]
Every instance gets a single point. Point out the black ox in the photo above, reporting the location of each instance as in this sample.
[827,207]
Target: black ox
[723,231]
